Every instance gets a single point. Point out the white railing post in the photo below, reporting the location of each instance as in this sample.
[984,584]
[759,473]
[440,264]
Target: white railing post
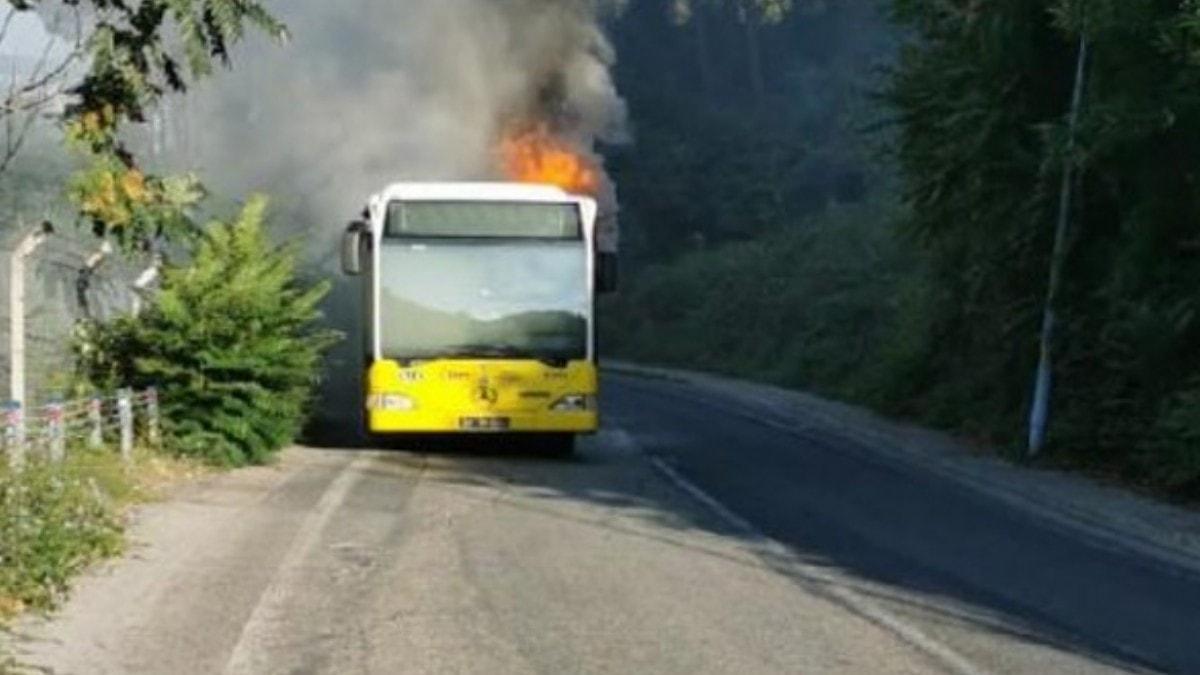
[14,434]
[95,423]
[125,418]
[16,309]
[56,431]
[153,432]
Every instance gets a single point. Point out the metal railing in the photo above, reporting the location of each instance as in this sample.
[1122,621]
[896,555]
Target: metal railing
[51,430]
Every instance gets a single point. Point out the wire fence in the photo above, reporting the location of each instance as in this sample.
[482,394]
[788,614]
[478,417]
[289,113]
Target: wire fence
[52,278]
[62,280]
[49,431]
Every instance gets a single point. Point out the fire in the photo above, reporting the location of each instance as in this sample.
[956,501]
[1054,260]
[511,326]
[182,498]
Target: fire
[535,155]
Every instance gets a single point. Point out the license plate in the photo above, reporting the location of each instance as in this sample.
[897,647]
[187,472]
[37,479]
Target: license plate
[483,423]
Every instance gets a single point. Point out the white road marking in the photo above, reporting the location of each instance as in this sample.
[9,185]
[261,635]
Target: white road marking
[835,588]
[249,655]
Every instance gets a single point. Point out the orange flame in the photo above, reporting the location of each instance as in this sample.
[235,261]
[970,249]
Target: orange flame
[535,155]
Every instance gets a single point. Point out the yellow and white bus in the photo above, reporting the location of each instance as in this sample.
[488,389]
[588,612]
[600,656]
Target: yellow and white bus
[480,310]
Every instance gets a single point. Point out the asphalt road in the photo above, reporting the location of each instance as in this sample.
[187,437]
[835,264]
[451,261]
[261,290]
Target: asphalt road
[994,585]
[686,538]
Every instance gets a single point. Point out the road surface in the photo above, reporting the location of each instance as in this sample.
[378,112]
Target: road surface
[683,539]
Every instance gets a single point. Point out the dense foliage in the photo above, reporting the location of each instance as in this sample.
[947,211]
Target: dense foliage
[54,521]
[745,122]
[983,97]
[230,341]
[814,312]
[940,315]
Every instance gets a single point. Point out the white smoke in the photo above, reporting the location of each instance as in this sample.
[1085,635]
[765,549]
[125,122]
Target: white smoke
[368,92]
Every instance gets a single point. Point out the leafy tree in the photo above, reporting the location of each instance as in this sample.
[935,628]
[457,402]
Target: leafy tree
[230,341]
[135,52]
[982,94]
[710,164]
[750,15]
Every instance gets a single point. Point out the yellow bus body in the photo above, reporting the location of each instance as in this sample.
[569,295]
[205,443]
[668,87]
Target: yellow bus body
[512,396]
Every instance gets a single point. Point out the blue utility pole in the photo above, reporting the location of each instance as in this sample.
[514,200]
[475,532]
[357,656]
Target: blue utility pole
[1043,386]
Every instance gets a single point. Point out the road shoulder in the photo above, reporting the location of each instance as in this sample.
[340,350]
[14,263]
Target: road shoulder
[172,599]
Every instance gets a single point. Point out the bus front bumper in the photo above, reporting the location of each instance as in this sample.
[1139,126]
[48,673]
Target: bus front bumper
[397,422]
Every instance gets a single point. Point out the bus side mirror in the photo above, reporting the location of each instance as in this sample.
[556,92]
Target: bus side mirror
[607,272]
[352,246]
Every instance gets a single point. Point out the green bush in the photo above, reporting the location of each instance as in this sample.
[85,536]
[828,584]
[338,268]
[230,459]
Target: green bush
[1170,454]
[230,341]
[54,521]
[806,307]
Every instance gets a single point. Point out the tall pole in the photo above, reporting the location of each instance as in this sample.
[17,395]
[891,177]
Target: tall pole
[16,311]
[1043,385]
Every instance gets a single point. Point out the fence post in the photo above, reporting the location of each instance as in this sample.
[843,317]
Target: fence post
[56,431]
[95,423]
[125,417]
[153,432]
[14,434]
[16,311]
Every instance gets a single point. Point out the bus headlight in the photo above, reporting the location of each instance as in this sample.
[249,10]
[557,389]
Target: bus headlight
[573,403]
[391,402]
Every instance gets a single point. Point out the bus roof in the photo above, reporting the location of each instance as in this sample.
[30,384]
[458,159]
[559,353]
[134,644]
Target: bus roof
[487,192]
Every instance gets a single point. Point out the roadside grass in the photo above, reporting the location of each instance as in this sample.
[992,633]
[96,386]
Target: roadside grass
[57,519]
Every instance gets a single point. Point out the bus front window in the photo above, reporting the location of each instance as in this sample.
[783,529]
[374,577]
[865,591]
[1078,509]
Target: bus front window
[483,298]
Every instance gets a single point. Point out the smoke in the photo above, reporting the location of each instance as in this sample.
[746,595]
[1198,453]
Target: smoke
[369,92]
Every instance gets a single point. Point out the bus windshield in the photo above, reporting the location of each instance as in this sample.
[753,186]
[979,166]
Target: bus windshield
[483,298]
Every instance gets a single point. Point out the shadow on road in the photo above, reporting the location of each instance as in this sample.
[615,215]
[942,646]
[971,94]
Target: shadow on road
[930,551]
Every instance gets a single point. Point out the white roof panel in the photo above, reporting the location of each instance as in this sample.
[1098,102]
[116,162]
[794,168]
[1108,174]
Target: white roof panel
[516,192]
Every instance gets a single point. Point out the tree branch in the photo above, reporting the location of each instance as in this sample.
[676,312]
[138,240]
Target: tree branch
[29,94]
